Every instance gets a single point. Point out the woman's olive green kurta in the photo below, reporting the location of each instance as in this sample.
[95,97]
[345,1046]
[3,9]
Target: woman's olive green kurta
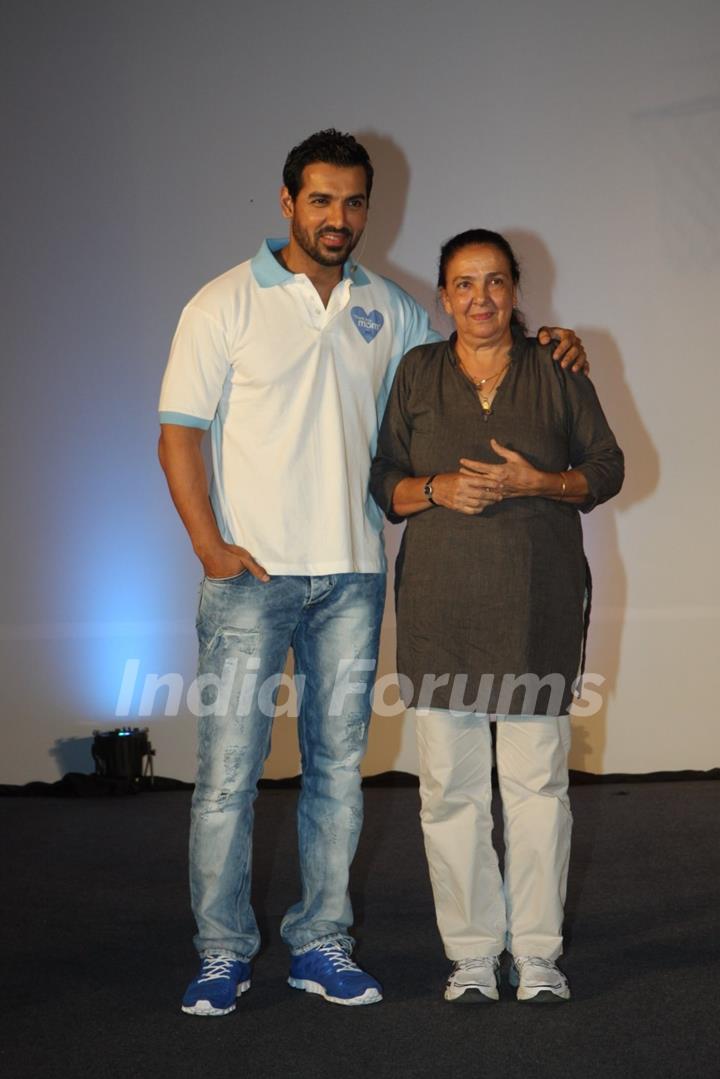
[501,593]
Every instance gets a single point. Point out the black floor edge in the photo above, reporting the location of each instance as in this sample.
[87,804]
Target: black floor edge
[79,785]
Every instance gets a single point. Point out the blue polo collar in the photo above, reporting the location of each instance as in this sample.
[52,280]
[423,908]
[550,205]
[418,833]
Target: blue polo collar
[267,271]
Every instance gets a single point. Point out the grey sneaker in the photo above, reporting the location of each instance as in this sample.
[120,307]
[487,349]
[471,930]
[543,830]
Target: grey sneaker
[474,981]
[538,980]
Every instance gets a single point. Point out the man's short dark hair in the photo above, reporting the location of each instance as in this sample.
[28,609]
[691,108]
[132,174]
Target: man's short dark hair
[328,147]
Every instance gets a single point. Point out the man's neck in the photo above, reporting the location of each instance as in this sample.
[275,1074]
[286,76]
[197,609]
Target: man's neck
[324,278]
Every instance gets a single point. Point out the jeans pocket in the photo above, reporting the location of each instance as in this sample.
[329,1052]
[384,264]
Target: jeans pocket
[227,580]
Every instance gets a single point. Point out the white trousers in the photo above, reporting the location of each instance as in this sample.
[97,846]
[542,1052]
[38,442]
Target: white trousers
[479,914]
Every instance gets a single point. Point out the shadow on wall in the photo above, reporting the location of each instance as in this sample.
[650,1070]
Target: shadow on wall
[642,465]
[599,527]
[387,211]
[73,755]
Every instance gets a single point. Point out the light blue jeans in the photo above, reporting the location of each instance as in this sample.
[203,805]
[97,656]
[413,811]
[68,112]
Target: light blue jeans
[245,629]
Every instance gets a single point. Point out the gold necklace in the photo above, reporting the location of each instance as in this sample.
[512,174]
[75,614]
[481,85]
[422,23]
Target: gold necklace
[479,384]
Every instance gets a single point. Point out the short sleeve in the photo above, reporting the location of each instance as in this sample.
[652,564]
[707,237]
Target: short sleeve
[196,371]
[391,463]
[418,330]
[413,329]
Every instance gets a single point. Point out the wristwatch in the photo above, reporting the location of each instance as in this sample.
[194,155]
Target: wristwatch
[428,491]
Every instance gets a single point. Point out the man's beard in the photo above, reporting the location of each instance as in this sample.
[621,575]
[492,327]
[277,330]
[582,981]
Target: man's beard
[312,247]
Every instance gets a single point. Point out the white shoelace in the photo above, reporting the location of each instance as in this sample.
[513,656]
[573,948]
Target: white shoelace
[536,961]
[338,956]
[215,966]
[483,962]
[534,971]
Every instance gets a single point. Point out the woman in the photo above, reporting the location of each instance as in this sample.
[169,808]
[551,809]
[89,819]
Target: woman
[489,449]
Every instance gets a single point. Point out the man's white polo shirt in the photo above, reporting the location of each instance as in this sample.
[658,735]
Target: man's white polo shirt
[293,393]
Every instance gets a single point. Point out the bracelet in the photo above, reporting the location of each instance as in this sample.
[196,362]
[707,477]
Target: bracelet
[563,479]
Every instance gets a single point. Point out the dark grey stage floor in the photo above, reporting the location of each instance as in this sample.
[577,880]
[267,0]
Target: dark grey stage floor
[96,948]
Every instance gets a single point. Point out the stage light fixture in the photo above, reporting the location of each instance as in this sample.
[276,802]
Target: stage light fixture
[123,753]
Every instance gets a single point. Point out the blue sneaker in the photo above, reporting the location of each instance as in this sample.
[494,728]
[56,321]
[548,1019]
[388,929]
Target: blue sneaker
[218,985]
[329,971]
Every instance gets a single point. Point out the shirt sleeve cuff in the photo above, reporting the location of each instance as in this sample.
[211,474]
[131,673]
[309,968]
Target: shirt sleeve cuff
[382,487]
[182,419]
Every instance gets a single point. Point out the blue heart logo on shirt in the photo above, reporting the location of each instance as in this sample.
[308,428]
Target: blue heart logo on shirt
[369,323]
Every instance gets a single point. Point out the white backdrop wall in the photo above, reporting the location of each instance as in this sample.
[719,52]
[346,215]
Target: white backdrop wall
[143,150]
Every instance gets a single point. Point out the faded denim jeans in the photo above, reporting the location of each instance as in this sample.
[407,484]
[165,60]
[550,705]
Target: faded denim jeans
[245,629]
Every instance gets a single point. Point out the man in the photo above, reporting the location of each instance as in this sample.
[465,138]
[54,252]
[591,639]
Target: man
[288,360]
